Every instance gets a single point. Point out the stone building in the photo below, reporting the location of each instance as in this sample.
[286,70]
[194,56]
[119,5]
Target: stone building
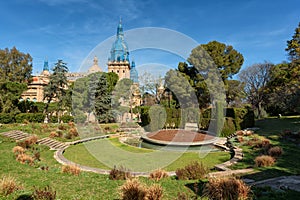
[35,90]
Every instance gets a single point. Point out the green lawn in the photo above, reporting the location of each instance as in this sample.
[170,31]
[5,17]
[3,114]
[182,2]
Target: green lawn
[85,186]
[80,154]
[95,186]
[288,163]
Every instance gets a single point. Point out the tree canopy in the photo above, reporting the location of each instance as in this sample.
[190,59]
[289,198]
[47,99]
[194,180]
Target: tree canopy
[224,57]
[15,66]
[57,86]
[293,46]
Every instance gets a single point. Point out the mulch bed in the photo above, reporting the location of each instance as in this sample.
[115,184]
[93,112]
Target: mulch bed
[179,136]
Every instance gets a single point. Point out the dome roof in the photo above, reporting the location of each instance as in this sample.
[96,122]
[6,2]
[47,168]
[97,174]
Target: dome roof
[119,50]
[95,67]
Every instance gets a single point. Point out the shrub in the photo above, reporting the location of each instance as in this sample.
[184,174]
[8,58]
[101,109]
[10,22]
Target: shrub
[30,117]
[154,192]
[226,188]
[240,139]
[275,151]
[158,174]
[195,170]
[6,118]
[264,161]
[67,118]
[120,173]
[31,140]
[182,196]
[265,143]
[132,190]
[46,193]
[239,133]
[8,185]
[62,127]
[71,169]
[68,136]
[18,150]
[71,124]
[73,132]
[53,134]
[24,158]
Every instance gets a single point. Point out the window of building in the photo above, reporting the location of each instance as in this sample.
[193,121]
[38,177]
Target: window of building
[34,99]
[117,71]
[28,99]
[123,71]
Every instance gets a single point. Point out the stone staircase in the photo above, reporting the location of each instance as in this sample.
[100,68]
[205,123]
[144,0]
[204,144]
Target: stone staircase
[17,135]
[53,144]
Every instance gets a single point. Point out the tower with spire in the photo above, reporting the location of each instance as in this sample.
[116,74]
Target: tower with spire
[118,62]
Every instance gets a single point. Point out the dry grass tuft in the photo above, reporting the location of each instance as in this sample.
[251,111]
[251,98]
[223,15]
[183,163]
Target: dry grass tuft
[25,159]
[264,161]
[31,140]
[120,173]
[194,170]
[46,193]
[73,132]
[71,169]
[53,134]
[8,185]
[158,174]
[275,151]
[18,150]
[154,192]
[226,188]
[132,189]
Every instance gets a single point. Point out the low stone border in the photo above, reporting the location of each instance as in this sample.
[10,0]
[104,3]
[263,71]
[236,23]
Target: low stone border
[58,155]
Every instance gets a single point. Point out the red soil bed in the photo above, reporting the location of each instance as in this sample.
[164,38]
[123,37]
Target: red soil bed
[179,136]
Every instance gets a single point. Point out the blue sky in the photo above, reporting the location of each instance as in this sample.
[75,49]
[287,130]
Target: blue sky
[71,29]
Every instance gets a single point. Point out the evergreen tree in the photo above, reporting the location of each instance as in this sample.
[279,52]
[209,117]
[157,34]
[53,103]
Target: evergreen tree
[56,88]
[103,100]
[293,46]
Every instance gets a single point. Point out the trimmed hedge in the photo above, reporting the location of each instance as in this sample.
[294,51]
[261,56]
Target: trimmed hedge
[235,119]
[31,117]
[6,118]
[67,118]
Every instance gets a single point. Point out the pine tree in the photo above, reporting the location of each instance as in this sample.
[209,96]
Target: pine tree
[56,88]
[293,47]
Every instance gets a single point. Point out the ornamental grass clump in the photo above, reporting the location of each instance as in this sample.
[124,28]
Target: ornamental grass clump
[120,173]
[8,185]
[264,161]
[154,192]
[18,150]
[226,188]
[71,169]
[158,175]
[275,151]
[195,170]
[132,189]
[46,193]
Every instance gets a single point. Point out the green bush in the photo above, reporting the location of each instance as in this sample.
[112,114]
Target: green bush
[6,118]
[67,118]
[229,127]
[53,119]
[31,117]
